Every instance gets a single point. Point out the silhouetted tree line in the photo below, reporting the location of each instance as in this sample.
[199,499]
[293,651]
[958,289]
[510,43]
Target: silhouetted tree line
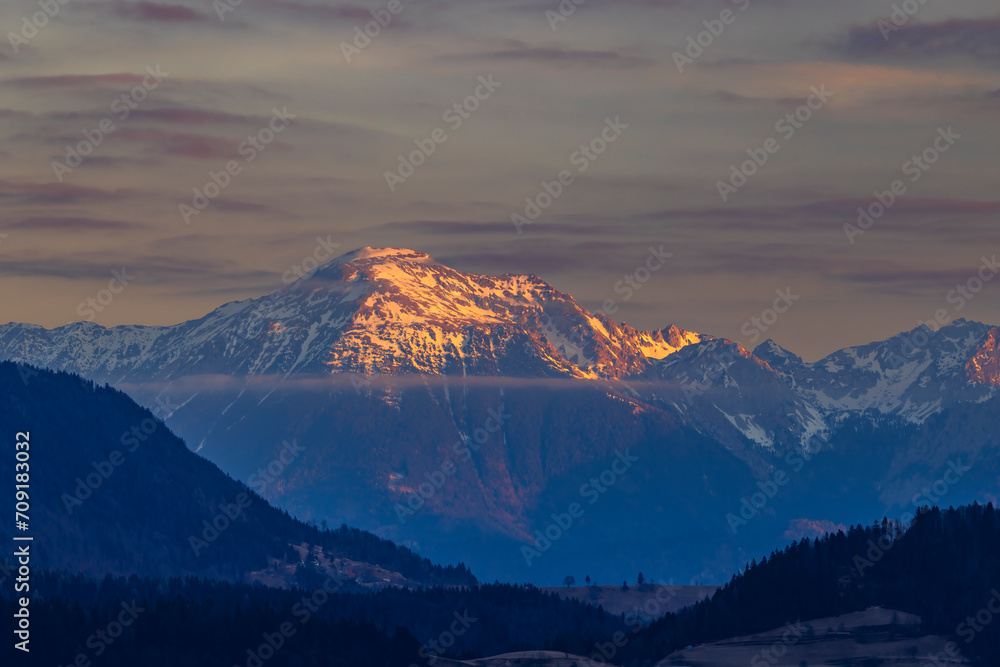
[204,633]
[197,622]
[945,567]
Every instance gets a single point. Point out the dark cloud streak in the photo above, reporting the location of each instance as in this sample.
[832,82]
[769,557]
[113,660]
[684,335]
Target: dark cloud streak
[70,224]
[152,12]
[976,38]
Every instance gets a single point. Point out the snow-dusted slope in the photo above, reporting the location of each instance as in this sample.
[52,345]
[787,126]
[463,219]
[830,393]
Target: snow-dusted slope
[386,311]
[393,311]
[722,388]
[415,315]
[912,376]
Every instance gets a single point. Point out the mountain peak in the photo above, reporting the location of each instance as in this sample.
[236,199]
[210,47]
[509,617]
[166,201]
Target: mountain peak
[983,367]
[368,257]
[383,255]
[375,311]
[775,355]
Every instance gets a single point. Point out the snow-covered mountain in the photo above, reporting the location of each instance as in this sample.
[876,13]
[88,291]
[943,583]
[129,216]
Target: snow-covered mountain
[382,311]
[505,394]
[730,393]
[910,376]
[390,312]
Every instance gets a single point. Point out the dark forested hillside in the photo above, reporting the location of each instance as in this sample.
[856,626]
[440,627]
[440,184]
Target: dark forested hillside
[197,622]
[944,567]
[114,491]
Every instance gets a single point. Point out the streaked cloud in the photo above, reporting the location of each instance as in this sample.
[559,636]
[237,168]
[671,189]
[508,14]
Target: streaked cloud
[976,38]
[72,225]
[325,174]
[155,12]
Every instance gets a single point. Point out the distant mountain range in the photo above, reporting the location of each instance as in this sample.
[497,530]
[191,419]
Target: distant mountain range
[381,311]
[457,413]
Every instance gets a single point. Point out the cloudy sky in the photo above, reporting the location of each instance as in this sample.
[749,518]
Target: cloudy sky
[348,107]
